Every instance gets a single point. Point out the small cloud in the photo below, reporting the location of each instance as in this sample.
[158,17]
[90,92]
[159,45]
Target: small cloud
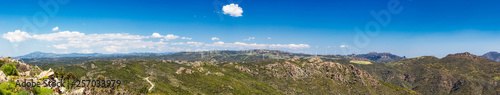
[268,37]
[249,38]
[343,46]
[61,46]
[171,37]
[55,28]
[291,46]
[233,10]
[156,35]
[86,51]
[16,36]
[186,38]
[215,38]
[64,35]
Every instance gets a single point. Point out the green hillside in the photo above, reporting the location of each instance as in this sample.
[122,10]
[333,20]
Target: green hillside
[292,76]
[461,73]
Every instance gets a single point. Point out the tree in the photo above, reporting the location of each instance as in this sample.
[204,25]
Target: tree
[71,76]
[100,77]
[59,73]
[9,69]
[143,89]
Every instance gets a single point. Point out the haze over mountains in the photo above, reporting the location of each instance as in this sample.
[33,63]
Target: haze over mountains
[372,56]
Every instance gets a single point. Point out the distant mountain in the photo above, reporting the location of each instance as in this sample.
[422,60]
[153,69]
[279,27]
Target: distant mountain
[39,54]
[233,56]
[495,56]
[212,56]
[378,57]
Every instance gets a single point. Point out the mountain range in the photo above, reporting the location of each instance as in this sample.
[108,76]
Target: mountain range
[278,72]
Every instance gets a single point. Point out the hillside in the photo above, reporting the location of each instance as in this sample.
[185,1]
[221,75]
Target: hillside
[461,73]
[291,76]
[277,72]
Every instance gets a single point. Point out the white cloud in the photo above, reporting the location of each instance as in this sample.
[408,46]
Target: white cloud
[64,35]
[16,36]
[86,51]
[55,28]
[343,46]
[233,10]
[268,37]
[241,45]
[290,46]
[186,38]
[168,37]
[215,38]
[171,37]
[61,46]
[249,38]
[112,48]
[156,35]
[196,44]
[74,41]
[113,36]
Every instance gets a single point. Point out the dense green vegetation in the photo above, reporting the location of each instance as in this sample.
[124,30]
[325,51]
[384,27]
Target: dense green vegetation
[276,72]
[231,77]
[9,69]
[454,74]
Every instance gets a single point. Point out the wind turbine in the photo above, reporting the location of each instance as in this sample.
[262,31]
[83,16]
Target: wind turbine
[316,52]
[328,47]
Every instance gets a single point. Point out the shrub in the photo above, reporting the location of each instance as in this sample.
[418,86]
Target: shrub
[42,91]
[71,76]
[7,88]
[9,69]
[100,77]
[143,89]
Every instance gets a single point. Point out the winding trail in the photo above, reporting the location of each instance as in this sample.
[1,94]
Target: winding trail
[153,85]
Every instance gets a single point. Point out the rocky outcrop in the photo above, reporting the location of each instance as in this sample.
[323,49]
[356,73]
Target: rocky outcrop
[179,71]
[302,69]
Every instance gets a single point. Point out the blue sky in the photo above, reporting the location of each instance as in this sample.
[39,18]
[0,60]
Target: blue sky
[421,27]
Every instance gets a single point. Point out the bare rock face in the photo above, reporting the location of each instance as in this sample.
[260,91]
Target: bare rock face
[179,71]
[188,71]
[3,77]
[315,60]
[92,66]
[197,64]
[298,69]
